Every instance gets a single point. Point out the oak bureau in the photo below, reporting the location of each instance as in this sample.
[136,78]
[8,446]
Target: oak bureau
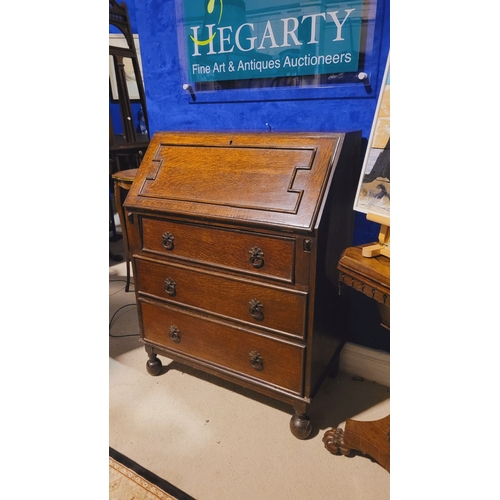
[234,240]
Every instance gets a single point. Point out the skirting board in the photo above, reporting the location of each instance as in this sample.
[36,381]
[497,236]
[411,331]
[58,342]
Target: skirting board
[364,362]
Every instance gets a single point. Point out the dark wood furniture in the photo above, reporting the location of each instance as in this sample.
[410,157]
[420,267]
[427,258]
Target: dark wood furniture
[122,182]
[370,437]
[229,235]
[127,145]
[119,17]
[371,276]
[368,275]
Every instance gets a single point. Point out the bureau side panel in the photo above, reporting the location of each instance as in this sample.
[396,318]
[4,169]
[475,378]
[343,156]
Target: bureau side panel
[328,317]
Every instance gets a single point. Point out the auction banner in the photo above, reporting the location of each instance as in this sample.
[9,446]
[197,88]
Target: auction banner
[236,39]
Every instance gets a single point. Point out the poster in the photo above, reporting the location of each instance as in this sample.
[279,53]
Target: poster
[374,189]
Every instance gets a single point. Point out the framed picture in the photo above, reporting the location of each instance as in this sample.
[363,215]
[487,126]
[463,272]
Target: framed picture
[374,189]
[118,40]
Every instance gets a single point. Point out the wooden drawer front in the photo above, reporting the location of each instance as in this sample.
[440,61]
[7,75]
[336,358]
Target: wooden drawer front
[275,308]
[274,361]
[271,256]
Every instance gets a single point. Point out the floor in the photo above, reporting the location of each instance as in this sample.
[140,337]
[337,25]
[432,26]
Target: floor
[216,441]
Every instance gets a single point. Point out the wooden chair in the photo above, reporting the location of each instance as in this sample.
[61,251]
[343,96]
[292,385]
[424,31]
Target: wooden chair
[123,180]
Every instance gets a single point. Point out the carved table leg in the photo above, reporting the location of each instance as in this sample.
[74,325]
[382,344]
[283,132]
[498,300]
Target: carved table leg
[300,425]
[371,438]
[334,442]
[153,364]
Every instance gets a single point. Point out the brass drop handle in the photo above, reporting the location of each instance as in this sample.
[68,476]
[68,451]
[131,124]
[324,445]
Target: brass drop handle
[256,257]
[170,286]
[168,241]
[256,361]
[174,334]
[255,309]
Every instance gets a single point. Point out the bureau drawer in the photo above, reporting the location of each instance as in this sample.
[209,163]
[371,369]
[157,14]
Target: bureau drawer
[271,307]
[253,253]
[276,362]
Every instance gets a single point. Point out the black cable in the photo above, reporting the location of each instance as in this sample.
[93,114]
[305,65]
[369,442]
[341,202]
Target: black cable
[111,321]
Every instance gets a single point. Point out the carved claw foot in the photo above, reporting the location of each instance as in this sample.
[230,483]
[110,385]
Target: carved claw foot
[334,442]
[153,365]
[300,425]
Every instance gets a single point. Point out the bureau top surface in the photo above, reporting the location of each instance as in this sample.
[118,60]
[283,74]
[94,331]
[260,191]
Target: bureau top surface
[267,178]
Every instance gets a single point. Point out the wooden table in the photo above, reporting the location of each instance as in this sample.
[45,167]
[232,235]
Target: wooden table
[123,180]
[371,276]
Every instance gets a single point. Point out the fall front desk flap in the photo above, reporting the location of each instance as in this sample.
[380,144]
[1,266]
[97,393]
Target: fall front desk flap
[258,178]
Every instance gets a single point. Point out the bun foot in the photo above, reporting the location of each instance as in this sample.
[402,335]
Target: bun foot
[300,425]
[153,365]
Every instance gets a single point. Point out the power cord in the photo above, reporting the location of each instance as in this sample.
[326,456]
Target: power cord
[111,321]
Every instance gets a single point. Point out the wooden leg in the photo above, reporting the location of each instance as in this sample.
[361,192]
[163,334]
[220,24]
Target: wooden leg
[120,190]
[371,438]
[334,442]
[153,364]
[300,423]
